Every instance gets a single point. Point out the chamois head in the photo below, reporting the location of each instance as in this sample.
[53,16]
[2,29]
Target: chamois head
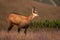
[34,12]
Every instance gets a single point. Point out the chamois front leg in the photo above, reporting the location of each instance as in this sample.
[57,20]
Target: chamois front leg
[25,31]
[10,27]
[26,27]
[19,29]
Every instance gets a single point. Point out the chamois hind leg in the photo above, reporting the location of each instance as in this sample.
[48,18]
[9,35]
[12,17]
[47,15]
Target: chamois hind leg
[10,27]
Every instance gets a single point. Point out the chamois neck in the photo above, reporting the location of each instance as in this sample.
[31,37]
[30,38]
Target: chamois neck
[31,16]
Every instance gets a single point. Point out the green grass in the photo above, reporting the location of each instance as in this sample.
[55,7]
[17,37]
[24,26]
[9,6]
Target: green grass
[46,24]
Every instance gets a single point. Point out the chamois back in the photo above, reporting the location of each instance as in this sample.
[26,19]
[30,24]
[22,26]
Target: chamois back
[18,19]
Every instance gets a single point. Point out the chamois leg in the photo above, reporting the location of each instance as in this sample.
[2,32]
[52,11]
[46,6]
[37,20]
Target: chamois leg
[25,31]
[10,27]
[18,29]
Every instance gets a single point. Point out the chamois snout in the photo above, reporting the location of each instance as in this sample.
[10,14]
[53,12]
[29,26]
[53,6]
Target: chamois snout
[35,14]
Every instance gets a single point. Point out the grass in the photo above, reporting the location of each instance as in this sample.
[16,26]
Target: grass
[38,35]
[45,24]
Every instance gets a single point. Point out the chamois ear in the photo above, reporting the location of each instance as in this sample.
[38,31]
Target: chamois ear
[33,10]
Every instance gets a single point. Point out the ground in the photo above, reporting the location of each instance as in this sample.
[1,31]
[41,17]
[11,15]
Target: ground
[37,35]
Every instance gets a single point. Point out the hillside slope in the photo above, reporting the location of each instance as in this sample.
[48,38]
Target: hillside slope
[24,7]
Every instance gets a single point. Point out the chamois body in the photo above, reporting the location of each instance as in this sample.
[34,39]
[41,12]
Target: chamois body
[20,20]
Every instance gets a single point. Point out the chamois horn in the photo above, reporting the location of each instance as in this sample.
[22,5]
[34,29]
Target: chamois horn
[34,10]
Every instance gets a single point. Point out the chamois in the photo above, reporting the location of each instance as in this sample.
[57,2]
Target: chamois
[20,20]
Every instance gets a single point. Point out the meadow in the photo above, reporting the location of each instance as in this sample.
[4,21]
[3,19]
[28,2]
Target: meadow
[43,34]
[44,27]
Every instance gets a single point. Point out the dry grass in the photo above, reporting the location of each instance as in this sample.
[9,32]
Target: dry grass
[38,35]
